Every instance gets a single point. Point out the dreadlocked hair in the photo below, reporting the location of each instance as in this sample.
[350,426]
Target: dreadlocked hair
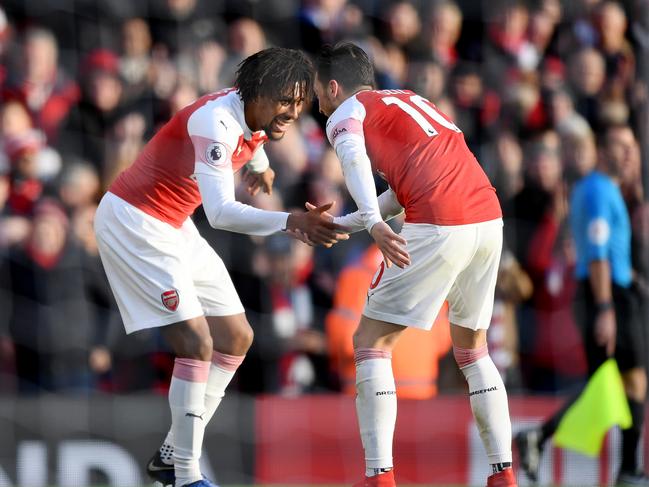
[273,73]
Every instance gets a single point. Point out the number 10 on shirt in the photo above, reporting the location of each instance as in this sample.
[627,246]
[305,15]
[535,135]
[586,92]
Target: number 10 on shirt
[426,107]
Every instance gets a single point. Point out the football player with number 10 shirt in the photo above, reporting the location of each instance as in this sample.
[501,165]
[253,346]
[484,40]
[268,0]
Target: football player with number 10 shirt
[448,249]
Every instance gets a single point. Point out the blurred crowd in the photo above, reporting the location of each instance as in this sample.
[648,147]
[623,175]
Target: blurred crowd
[85,83]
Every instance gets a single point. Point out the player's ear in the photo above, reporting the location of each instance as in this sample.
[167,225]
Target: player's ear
[334,88]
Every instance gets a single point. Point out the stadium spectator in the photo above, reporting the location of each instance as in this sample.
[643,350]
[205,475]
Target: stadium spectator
[78,187]
[179,25]
[611,24]
[428,78]
[540,32]
[123,143]
[103,309]
[90,121]
[508,48]
[550,347]
[18,138]
[182,95]
[556,359]
[504,166]
[445,26]
[578,154]
[26,187]
[563,116]
[53,326]
[135,59]
[526,208]
[41,84]
[245,37]
[403,27]
[206,61]
[302,365]
[587,76]
[14,229]
[477,108]
[5,39]
[15,118]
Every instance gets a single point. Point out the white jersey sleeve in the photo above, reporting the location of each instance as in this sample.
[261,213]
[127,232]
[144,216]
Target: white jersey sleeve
[215,135]
[389,207]
[223,211]
[259,162]
[345,133]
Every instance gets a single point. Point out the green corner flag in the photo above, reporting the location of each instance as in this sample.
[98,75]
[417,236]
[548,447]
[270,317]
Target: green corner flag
[601,405]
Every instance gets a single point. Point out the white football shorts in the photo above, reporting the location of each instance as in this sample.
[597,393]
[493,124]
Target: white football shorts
[159,274]
[455,263]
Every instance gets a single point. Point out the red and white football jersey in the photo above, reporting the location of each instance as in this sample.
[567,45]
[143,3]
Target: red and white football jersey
[420,153]
[210,136]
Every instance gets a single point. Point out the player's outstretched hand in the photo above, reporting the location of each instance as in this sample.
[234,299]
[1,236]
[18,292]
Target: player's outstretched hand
[325,214]
[392,245]
[303,237]
[316,227]
[260,181]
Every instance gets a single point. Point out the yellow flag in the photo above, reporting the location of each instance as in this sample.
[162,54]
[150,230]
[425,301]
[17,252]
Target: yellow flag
[601,405]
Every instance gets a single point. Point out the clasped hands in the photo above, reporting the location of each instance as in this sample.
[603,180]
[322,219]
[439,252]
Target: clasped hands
[316,226]
[391,244]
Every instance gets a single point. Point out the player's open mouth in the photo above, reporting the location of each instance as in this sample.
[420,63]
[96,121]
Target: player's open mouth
[281,125]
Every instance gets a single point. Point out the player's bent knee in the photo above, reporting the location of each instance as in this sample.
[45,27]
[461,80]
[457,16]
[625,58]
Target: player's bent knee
[205,348]
[198,347]
[463,337]
[243,338]
[361,339]
[232,335]
[189,339]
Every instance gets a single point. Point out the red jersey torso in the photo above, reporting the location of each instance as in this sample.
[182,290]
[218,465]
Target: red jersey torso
[421,154]
[160,181]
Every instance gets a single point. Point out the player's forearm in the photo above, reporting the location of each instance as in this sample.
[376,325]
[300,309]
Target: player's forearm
[224,212]
[241,218]
[600,282]
[389,207]
[360,183]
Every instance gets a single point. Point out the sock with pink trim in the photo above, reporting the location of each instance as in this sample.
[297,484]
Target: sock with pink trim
[376,407]
[222,370]
[187,403]
[488,402]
